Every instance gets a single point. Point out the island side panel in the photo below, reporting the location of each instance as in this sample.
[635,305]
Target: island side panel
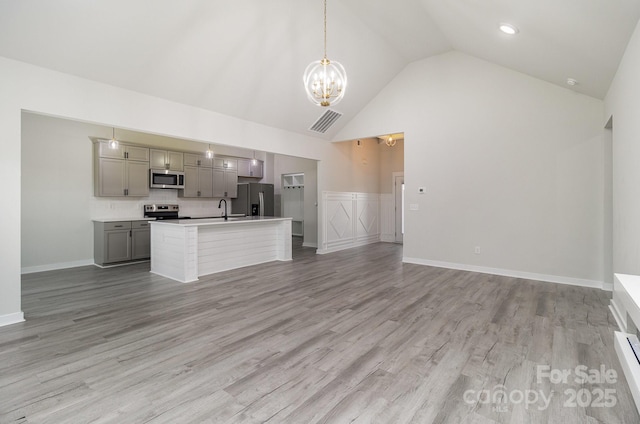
[284,241]
[225,247]
[174,252]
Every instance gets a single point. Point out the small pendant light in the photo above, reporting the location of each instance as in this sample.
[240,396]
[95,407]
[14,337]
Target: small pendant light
[113,143]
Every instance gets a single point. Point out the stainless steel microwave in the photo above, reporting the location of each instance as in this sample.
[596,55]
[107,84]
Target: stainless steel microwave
[164,178]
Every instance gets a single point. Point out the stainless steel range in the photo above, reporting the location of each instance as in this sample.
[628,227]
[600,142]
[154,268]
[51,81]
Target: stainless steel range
[159,211]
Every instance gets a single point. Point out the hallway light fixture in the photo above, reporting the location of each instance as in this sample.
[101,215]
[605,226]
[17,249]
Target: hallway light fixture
[209,153]
[325,81]
[390,141]
[254,161]
[113,143]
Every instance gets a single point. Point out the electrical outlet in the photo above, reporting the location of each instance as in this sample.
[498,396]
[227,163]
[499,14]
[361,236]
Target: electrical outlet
[477,250]
[413,206]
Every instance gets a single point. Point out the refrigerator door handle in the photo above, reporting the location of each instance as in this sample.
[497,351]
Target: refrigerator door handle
[261,197]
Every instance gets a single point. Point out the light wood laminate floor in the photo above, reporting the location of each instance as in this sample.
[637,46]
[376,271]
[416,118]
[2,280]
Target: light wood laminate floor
[350,337]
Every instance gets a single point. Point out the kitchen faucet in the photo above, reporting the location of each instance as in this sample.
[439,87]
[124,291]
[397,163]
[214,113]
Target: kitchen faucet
[225,207]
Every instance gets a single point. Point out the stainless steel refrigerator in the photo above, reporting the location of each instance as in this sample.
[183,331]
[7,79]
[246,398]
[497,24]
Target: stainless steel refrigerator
[254,199]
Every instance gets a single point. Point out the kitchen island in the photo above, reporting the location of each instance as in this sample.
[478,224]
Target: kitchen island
[185,249]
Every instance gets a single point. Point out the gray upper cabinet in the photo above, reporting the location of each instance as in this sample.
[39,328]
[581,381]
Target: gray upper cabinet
[225,163]
[124,171]
[194,159]
[247,168]
[120,172]
[225,177]
[198,182]
[164,159]
[225,183]
[123,151]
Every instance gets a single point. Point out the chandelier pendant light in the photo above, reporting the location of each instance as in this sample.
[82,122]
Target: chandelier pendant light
[325,81]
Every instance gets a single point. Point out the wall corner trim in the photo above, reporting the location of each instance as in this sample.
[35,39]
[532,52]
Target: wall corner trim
[511,273]
[11,318]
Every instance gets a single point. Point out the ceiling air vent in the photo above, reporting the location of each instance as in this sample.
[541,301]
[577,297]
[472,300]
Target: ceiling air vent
[325,121]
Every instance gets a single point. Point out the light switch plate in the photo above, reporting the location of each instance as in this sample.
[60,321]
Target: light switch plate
[413,207]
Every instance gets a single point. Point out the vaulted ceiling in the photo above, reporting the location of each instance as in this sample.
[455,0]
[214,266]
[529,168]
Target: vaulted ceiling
[245,58]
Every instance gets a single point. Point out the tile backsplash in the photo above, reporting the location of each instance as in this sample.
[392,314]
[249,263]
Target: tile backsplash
[117,207]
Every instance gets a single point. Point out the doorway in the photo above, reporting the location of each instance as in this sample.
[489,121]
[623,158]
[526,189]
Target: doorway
[293,201]
[398,196]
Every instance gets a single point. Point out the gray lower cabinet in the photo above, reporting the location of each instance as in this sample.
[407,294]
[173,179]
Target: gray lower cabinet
[121,241]
[140,240]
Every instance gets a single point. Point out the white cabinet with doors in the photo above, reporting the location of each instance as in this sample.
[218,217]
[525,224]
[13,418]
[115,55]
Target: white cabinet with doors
[165,159]
[123,171]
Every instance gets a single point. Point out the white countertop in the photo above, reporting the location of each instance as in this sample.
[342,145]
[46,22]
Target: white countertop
[631,284]
[219,221]
[122,219]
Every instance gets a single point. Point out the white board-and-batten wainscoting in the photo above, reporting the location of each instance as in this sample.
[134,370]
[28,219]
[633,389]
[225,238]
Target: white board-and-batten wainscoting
[387,218]
[184,250]
[349,220]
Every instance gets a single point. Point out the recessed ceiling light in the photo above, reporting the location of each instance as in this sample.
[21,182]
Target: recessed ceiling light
[572,81]
[508,29]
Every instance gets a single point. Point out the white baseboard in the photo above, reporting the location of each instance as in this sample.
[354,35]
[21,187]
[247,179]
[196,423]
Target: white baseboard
[52,267]
[11,318]
[509,273]
[345,246]
[314,245]
[388,238]
[607,286]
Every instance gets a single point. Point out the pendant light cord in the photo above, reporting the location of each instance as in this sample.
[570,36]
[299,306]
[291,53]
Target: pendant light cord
[325,29]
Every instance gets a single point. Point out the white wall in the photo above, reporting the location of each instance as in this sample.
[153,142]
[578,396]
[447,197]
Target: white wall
[30,88]
[354,168]
[290,165]
[623,103]
[511,164]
